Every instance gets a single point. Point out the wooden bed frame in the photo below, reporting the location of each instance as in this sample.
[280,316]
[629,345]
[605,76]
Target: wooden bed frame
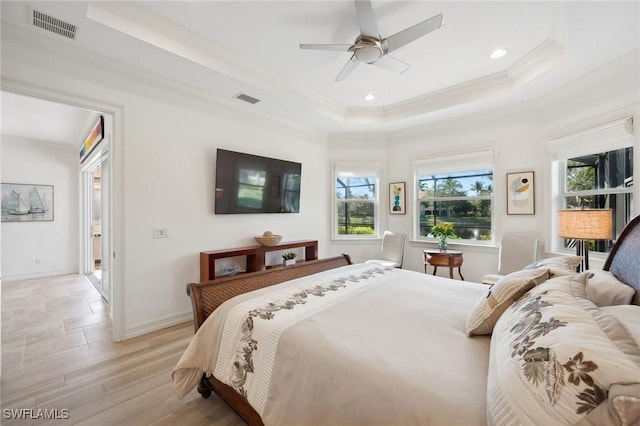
[624,259]
[207,296]
[623,262]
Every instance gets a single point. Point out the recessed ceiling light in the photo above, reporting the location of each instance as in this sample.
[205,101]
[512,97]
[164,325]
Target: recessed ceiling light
[498,53]
[370,97]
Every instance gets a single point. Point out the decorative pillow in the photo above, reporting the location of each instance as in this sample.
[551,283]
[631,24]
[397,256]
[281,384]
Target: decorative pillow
[604,289]
[558,266]
[500,296]
[556,358]
[628,315]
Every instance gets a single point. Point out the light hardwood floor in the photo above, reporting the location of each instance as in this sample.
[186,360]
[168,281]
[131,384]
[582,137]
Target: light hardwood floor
[57,353]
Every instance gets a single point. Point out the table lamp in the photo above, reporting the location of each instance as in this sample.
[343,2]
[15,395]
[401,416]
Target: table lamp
[583,225]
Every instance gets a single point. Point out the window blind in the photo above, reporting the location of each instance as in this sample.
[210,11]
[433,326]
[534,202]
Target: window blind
[454,163]
[607,137]
[351,169]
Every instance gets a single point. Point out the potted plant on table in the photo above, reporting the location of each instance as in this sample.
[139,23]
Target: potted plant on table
[442,231]
[289,258]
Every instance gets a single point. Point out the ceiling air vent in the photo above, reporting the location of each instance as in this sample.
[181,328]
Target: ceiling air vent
[54,25]
[246,98]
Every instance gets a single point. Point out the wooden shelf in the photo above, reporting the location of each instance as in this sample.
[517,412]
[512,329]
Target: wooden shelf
[255,256]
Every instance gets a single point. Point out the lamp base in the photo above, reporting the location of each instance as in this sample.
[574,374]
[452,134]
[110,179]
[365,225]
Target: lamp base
[582,249]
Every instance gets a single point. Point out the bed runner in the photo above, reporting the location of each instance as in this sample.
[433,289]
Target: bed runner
[253,328]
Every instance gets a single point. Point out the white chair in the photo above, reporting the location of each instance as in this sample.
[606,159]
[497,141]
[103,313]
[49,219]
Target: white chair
[516,252]
[392,249]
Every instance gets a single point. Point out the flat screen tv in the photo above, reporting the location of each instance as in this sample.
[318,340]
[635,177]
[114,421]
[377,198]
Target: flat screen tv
[248,183]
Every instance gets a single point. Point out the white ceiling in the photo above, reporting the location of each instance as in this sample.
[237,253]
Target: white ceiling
[224,48]
[43,120]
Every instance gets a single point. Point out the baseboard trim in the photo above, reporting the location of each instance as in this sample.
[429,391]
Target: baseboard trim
[158,324]
[43,274]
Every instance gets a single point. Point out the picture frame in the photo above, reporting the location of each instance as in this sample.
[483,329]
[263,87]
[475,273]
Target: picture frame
[397,198]
[521,193]
[93,139]
[27,202]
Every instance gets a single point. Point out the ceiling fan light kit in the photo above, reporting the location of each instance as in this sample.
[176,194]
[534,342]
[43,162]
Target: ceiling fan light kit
[370,48]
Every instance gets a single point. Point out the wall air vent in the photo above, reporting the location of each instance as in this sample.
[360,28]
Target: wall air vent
[247,98]
[54,25]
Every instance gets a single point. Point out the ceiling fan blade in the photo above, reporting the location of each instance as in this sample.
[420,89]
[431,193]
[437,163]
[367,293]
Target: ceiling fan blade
[392,64]
[346,70]
[410,34]
[366,19]
[336,47]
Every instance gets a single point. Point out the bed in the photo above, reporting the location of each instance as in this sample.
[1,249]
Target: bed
[331,342]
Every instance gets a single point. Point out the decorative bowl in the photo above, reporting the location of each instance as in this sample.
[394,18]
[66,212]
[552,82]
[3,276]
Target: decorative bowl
[269,240]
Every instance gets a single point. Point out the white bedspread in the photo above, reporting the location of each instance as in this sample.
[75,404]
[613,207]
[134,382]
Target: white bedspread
[389,348]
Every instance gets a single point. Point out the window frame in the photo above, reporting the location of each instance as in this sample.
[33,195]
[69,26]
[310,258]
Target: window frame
[449,164]
[367,169]
[605,138]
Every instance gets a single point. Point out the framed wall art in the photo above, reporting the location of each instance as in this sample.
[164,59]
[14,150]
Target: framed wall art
[520,193]
[397,199]
[26,202]
[95,136]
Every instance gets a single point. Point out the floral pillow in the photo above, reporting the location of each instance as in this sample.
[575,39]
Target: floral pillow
[500,296]
[556,358]
[557,266]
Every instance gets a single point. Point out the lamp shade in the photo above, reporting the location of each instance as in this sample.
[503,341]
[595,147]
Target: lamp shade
[585,224]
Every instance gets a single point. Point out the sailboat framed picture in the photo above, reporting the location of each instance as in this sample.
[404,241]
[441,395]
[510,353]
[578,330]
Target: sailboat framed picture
[27,202]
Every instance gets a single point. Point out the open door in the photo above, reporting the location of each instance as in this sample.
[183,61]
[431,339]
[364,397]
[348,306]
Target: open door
[96,208]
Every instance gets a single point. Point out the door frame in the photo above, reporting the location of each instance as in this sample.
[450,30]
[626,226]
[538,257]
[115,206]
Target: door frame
[99,159]
[116,234]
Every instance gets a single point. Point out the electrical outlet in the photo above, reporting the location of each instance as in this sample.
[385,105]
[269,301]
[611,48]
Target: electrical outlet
[160,232]
[37,260]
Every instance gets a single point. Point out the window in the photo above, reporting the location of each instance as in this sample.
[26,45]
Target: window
[356,189]
[251,188]
[455,189]
[595,170]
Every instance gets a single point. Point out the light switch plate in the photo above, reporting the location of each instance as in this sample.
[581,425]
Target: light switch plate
[160,232]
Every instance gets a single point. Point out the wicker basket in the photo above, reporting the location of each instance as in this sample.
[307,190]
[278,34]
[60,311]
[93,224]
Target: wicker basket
[268,241]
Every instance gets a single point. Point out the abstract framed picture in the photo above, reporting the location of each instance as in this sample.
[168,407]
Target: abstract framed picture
[95,136]
[27,202]
[520,193]
[397,199]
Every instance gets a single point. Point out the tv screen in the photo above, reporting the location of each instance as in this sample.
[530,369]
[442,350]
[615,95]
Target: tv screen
[248,183]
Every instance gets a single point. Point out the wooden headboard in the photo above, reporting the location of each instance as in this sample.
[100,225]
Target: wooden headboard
[624,259]
[208,295]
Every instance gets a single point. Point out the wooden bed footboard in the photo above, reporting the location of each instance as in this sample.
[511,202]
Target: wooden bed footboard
[208,295]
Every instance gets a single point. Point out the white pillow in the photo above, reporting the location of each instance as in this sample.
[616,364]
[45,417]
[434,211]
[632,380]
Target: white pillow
[604,289]
[558,266]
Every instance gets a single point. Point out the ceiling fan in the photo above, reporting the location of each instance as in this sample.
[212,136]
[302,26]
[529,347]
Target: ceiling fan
[370,48]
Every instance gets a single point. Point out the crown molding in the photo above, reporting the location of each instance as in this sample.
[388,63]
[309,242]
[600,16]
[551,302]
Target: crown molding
[156,30]
[145,26]
[33,45]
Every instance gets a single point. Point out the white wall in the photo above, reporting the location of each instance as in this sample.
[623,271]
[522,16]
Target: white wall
[518,135]
[166,147]
[170,174]
[166,170]
[514,135]
[54,244]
